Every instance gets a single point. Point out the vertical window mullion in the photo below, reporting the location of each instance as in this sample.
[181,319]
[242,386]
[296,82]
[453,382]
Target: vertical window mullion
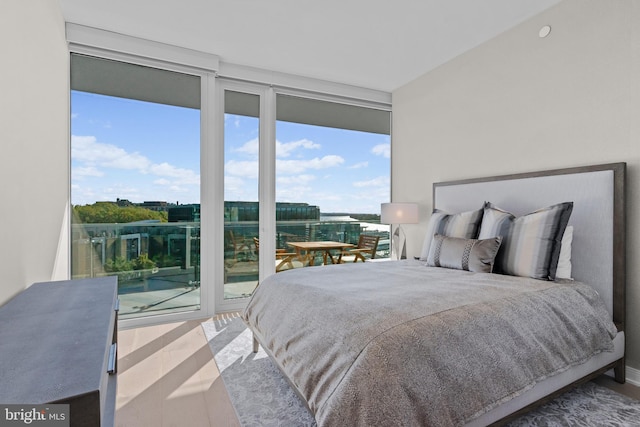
[211,189]
[267,174]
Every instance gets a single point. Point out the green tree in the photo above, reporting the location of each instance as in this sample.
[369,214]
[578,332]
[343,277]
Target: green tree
[109,212]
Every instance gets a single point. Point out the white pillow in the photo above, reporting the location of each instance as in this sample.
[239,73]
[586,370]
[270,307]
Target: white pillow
[564,260]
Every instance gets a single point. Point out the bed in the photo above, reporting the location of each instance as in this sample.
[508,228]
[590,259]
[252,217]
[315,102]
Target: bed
[430,342]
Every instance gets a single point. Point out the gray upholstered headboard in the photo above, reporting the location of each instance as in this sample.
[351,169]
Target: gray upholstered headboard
[598,218]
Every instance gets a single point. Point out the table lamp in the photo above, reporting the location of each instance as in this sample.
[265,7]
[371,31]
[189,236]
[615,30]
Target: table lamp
[398,213]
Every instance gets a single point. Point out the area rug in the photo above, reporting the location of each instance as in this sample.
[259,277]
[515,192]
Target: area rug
[263,398]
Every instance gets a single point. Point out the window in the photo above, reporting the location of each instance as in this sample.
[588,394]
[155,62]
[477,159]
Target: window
[135,175]
[177,158]
[333,163]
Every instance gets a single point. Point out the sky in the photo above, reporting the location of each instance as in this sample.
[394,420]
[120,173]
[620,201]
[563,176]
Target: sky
[144,151]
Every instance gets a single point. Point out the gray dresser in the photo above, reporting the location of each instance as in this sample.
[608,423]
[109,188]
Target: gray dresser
[58,345]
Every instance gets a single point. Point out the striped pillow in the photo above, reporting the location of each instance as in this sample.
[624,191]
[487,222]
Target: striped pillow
[464,225]
[530,243]
[464,254]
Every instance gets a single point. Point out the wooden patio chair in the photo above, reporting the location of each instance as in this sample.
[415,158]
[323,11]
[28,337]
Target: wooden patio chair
[367,245]
[284,260]
[240,245]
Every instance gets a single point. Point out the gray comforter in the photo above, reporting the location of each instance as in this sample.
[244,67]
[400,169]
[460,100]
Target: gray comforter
[399,343]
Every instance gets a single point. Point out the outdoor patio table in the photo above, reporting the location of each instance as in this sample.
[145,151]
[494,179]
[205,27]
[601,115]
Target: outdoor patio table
[322,246]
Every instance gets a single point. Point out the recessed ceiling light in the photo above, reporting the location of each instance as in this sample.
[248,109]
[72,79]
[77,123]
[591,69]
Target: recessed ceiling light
[544,31]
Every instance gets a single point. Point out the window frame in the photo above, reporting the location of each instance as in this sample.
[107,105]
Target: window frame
[207,249]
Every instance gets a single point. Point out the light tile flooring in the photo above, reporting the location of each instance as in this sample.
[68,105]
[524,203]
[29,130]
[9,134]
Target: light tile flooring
[167,377]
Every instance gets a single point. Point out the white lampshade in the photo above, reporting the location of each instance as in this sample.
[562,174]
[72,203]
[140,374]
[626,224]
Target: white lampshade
[398,213]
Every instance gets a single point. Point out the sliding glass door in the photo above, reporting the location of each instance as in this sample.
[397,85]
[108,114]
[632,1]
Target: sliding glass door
[242,142]
[296,169]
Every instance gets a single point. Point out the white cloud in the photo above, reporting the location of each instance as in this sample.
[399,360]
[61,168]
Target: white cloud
[236,188]
[177,189]
[328,197]
[87,149]
[382,150]
[295,179]
[359,165]
[294,194]
[299,166]
[129,161]
[284,149]
[251,148]
[233,182]
[93,154]
[245,169]
[375,182]
[181,175]
[121,191]
[81,172]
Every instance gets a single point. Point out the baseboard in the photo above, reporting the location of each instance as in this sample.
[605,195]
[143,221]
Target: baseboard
[632,376]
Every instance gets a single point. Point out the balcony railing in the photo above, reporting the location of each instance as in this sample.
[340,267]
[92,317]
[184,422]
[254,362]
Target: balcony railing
[158,264]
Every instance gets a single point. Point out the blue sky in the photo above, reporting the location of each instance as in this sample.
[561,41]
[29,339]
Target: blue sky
[144,151]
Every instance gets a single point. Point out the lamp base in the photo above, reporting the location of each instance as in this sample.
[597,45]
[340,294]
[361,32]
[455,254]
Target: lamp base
[398,244]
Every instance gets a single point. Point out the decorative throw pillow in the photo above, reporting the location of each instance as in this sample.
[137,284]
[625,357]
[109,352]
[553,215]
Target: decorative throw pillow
[530,243]
[464,225]
[564,260]
[463,254]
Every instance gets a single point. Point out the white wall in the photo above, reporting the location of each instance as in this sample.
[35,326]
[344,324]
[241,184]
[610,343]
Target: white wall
[522,103]
[34,117]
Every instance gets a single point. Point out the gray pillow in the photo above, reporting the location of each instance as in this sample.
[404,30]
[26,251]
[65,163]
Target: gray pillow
[531,243]
[463,224]
[464,254]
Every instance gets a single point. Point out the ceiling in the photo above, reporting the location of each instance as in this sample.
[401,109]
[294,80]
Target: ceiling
[376,44]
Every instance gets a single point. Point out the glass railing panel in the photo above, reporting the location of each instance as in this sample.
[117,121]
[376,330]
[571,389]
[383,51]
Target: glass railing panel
[242,247]
[240,259]
[157,264]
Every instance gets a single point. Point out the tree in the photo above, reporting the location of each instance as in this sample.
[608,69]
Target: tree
[109,213]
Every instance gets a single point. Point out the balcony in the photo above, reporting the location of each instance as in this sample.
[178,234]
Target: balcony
[158,264]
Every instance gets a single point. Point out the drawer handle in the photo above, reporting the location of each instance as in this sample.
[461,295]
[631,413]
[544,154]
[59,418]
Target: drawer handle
[113,351]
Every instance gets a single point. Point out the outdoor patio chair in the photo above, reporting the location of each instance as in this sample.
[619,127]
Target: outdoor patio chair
[240,245]
[367,245]
[284,260]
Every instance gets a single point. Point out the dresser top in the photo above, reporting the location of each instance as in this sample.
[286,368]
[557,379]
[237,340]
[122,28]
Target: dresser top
[53,339]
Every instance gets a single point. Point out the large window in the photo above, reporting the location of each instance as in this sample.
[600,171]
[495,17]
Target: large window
[333,159]
[135,175]
[328,164]
[190,178]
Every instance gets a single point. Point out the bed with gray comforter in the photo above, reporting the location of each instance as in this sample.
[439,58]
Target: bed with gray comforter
[399,343]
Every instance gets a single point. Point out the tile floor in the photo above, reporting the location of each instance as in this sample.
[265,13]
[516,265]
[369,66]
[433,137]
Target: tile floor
[167,377]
